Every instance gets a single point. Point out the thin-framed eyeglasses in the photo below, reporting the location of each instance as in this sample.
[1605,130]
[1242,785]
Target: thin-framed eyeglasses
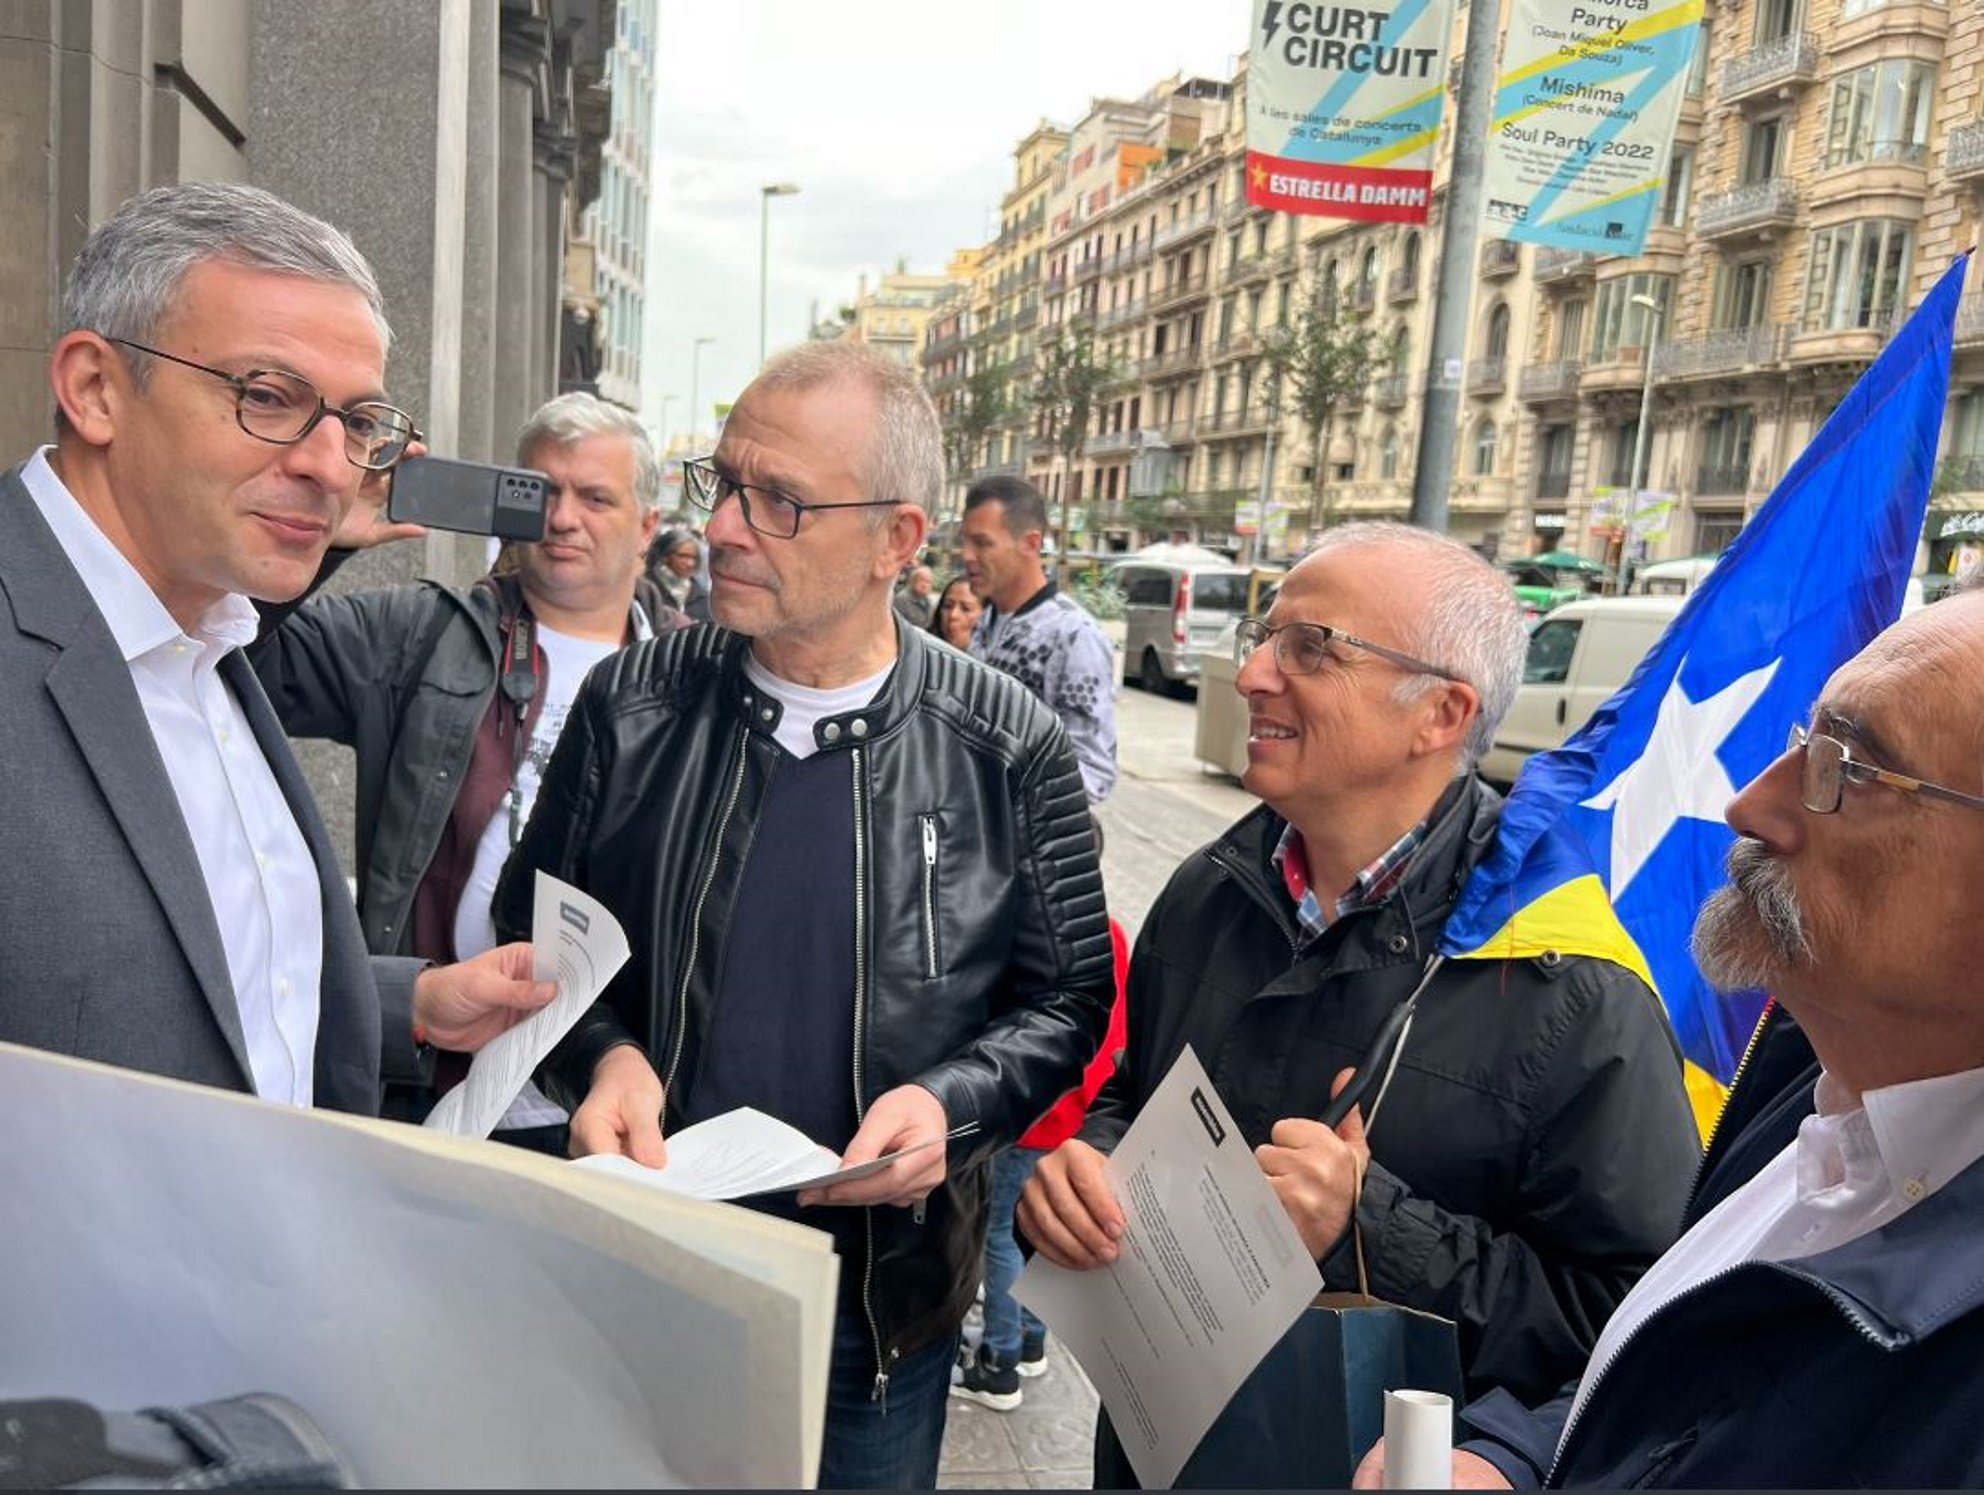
[282,408]
[1829,766]
[766,510]
[1304,648]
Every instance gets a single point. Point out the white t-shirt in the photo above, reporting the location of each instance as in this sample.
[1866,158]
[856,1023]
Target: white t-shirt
[803,706]
[566,661]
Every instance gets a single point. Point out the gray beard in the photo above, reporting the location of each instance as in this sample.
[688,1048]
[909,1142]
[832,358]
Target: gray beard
[1751,931]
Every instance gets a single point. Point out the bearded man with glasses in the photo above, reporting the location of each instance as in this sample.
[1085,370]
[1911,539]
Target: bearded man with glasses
[1525,1153]
[857,873]
[1820,1322]
[172,900]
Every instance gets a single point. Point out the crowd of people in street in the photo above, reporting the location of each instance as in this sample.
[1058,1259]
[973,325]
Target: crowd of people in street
[844,813]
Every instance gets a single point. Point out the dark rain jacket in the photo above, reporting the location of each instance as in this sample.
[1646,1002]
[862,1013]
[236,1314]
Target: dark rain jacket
[1532,1155]
[981,945]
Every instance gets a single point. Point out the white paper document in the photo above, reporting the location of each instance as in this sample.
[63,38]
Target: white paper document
[576,943]
[1211,1275]
[452,1313]
[741,1153]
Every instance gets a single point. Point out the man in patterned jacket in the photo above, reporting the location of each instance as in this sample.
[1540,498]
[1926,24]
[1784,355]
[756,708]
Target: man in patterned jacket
[1029,630]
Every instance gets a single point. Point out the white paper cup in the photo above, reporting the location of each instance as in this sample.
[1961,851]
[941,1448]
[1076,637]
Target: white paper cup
[1419,1440]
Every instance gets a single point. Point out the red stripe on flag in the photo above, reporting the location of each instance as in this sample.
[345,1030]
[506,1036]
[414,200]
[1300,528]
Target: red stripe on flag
[1373,194]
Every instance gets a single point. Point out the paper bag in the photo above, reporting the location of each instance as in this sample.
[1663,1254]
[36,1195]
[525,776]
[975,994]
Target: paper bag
[1316,1404]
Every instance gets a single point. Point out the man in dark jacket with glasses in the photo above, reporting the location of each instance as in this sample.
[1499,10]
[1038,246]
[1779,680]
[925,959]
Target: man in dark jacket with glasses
[857,873]
[1820,1323]
[1527,1157]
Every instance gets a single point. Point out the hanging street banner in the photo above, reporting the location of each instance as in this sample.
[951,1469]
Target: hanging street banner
[1584,120]
[1343,107]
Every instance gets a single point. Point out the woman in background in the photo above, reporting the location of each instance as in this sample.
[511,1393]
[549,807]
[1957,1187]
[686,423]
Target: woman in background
[957,613]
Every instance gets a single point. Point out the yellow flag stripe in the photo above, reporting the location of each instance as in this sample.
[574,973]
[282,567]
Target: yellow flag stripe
[1656,24]
[1574,918]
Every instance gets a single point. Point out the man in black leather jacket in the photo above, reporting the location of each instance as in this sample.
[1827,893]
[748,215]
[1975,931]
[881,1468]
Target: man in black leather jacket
[1534,1145]
[857,873]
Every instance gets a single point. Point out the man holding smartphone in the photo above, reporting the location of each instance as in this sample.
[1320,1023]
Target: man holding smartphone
[172,900]
[468,689]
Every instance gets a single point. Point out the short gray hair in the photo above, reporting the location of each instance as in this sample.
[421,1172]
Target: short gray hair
[1469,621]
[126,279]
[568,419]
[906,450]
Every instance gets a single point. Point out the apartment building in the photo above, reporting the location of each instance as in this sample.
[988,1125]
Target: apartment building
[1828,168]
[614,228]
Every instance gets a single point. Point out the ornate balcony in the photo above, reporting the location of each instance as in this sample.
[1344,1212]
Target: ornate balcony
[1088,269]
[1553,265]
[1174,234]
[1235,345]
[1543,382]
[1970,320]
[1963,156]
[1186,288]
[1110,444]
[1127,311]
[1390,392]
[1787,62]
[1500,258]
[1726,352]
[1722,481]
[1960,474]
[1488,376]
[1761,207]
[1402,286]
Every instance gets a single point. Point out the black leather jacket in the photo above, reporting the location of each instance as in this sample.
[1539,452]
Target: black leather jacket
[982,944]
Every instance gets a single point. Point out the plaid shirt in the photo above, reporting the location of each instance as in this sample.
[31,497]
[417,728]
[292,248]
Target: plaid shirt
[1368,887]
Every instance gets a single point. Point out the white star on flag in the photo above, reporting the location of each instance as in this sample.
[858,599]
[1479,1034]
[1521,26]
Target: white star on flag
[1678,775]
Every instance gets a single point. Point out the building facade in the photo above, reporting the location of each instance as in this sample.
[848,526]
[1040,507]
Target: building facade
[1828,166]
[614,228]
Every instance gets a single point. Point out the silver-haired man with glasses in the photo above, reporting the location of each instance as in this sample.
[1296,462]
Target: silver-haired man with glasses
[1820,1321]
[172,901]
[1523,1158]
[857,872]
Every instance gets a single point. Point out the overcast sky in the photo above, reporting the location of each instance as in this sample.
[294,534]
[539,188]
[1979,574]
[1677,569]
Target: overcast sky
[896,119]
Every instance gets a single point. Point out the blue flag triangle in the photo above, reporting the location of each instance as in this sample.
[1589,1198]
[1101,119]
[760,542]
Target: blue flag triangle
[1631,806]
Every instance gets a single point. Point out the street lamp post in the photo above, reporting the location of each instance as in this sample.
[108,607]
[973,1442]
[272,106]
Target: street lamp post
[765,195]
[695,379]
[662,434]
[1651,323]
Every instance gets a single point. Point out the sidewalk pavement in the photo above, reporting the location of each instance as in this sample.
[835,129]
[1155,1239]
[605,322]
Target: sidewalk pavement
[1045,1443]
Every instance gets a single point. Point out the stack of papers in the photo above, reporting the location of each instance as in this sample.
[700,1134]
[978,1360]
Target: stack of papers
[745,1152]
[452,1313]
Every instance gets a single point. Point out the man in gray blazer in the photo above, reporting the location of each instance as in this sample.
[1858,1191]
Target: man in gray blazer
[169,900]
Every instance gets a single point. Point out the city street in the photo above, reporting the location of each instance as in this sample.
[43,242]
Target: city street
[1165,805]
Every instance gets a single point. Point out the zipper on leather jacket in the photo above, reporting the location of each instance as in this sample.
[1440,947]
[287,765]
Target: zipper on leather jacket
[696,916]
[858,757]
[928,823]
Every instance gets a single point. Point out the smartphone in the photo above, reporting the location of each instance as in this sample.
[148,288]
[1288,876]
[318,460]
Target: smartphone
[472,497]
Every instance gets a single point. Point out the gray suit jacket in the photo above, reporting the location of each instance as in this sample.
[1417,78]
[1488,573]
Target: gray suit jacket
[109,949]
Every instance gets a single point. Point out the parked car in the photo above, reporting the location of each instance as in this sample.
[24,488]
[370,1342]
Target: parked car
[1176,599]
[1578,656]
[1219,736]
[1672,578]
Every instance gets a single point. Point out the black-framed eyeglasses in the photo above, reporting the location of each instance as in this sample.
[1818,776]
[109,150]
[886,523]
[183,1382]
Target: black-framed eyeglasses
[282,408]
[1829,766]
[1304,648]
[766,510]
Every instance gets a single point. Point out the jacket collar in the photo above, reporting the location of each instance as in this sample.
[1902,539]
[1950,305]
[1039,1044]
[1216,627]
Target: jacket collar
[850,729]
[1459,833]
[1916,1274]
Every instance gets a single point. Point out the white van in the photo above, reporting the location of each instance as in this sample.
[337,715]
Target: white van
[1578,656]
[1174,606]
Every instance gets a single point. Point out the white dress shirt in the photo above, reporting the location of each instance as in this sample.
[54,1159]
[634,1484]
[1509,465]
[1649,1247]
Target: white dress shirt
[259,875]
[1852,1170]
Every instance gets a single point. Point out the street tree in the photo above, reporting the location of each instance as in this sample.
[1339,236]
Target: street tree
[1321,358]
[1069,378]
[980,404]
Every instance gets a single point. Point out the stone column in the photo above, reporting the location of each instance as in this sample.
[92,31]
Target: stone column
[515,230]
